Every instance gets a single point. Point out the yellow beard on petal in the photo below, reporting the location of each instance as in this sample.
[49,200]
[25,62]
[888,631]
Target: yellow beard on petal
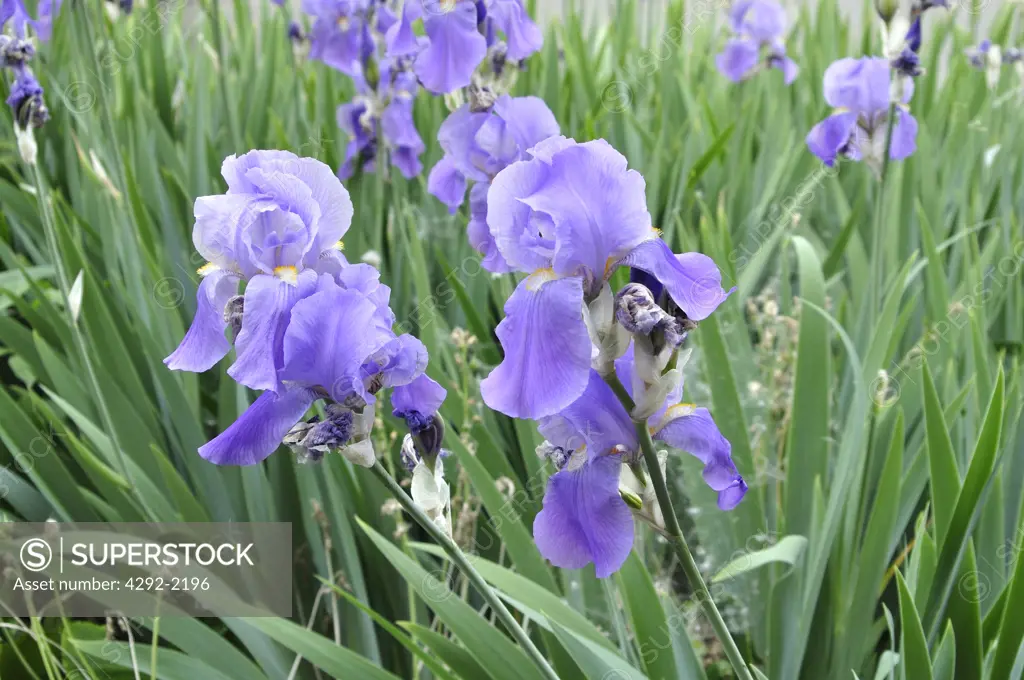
[207,269]
[538,278]
[287,274]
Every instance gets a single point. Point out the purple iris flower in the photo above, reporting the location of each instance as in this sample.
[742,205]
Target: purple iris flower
[759,28]
[381,120]
[478,145]
[14,11]
[584,518]
[859,89]
[341,36]
[337,344]
[458,34]
[277,227]
[570,215]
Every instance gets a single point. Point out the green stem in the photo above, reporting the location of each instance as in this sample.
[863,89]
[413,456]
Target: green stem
[876,231]
[462,562]
[678,541]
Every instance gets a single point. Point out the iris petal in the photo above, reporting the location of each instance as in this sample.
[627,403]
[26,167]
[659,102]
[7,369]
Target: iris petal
[259,430]
[267,308]
[456,48]
[584,519]
[692,280]
[547,350]
[830,136]
[204,344]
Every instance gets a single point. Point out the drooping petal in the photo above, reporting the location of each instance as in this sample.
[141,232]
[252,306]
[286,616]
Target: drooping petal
[738,59]
[327,340]
[904,136]
[204,343]
[447,184]
[267,305]
[547,350]
[831,136]
[456,48]
[692,280]
[834,135]
[259,430]
[423,395]
[401,40]
[597,419]
[693,430]
[522,36]
[584,519]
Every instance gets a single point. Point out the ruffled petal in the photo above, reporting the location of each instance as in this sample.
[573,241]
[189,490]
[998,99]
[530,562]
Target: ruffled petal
[738,59]
[860,85]
[327,340]
[259,430]
[547,350]
[693,430]
[204,343]
[597,205]
[456,48]
[267,307]
[584,519]
[398,362]
[447,184]
[528,119]
[832,135]
[692,280]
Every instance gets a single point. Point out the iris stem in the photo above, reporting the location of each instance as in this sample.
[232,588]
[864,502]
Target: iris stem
[876,231]
[461,560]
[676,538]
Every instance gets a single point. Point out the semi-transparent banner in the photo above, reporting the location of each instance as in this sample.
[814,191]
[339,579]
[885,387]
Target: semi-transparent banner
[99,569]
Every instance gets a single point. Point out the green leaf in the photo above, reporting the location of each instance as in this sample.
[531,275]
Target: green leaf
[483,641]
[334,659]
[597,662]
[788,550]
[916,664]
[650,625]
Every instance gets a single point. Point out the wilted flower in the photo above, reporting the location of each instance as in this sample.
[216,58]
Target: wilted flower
[418,403]
[859,89]
[585,518]
[458,36]
[379,121]
[570,216]
[26,99]
[759,28]
[478,145]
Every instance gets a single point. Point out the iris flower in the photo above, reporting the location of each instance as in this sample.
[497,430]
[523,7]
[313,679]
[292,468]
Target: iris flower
[584,518]
[569,216]
[759,28]
[458,35]
[859,89]
[380,120]
[478,145]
